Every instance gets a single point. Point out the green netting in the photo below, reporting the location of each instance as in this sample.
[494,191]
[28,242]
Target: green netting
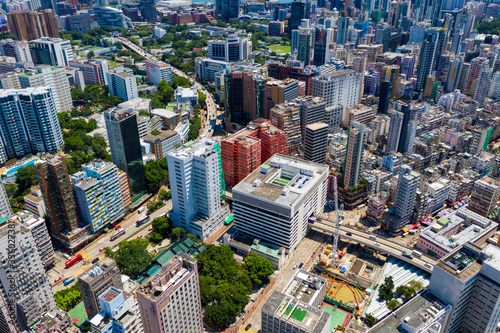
[221,173]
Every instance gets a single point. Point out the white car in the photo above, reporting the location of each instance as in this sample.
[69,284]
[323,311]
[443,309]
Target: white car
[377,244]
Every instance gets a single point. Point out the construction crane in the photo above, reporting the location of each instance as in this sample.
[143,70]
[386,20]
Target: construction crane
[337,221]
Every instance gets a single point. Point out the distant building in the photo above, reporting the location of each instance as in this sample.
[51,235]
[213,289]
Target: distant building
[340,87]
[157,71]
[234,48]
[16,49]
[29,25]
[186,95]
[123,85]
[163,143]
[227,9]
[109,17]
[5,208]
[52,51]
[484,196]
[352,161]
[315,142]
[94,71]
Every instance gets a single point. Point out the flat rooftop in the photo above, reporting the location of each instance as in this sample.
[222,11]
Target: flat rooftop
[282,180]
[463,263]
[110,295]
[305,286]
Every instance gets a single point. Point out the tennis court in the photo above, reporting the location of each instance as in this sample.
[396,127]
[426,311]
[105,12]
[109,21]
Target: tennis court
[78,314]
[339,317]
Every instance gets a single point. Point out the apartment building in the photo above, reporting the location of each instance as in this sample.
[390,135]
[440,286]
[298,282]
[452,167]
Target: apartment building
[280,91]
[163,143]
[286,117]
[16,49]
[33,201]
[157,71]
[315,142]
[234,48]
[339,87]
[123,85]
[352,161]
[484,196]
[29,25]
[51,51]
[94,71]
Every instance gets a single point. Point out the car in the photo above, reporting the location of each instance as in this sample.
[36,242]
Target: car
[150,229]
[301,264]
[377,244]
[102,249]
[248,327]
[95,260]
[428,265]
[58,279]
[348,234]
[294,266]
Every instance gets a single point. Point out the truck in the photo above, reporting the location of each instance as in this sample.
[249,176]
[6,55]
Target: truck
[417,254]
[407,255]
[311,220]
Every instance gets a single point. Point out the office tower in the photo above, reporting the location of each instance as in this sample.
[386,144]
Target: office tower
[467,279]
[161,311]
[157,71]
[383,35]
[109,17]
[456,40]
[304,46]
[384,97]
[119,313]
[394,132]
[197,199]
[278,91]
[494,91]
[483,84]
[359,65]
[427,58]
[97,279]
[28,122]
[408,65]
[36,225]
[16,49]
[123,85]
[233,48]
[323,39]
[275,28]
[454,73]
[342,29]
[484,196]
[125,146]
[33,25]
[406,146]
[98,180]
[45,76]
[392,75]
[53,179]
[247,149]
[400,214]
[52,51]
[298,11]
[245,98]
[94,71]
[315,142]
[354,151]
[274,202]
[227,9]
[5,208]
[333,117]
[148,11]
[407,134]
[26,291]
[286,117]
[340,87]
[276,316]
[312,110]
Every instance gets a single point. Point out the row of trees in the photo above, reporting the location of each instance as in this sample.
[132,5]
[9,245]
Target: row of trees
[94,95]
[66,299]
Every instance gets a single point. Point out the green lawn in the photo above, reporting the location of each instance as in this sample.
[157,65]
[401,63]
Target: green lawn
[278,48]
[113,64]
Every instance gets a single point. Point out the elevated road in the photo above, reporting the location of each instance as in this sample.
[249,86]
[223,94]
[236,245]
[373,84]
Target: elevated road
[211,106]
[381,244]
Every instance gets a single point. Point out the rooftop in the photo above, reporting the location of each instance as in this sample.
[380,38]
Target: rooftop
[305,286]
[163,135]
[463,263]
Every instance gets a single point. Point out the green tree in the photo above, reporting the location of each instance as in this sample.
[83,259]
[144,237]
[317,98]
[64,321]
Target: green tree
[393,304]
[201,98]
[25,178]
[370,320]
[180,81]
[161,229]
[385,290]
[178,233]
[417,285]
[258,268]
[144,113]
[406,291]
[90,54]
[131,257]
[156,174]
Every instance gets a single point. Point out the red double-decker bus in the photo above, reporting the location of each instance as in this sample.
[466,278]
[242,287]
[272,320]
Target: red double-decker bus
[73,260]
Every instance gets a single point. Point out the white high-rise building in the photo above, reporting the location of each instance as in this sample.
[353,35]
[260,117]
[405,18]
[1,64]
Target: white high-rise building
[333,117]
[5,208]
[51,77]
[197,186]
[274,202]
[28,122]
[234,48]
[394,131]
[16,49]
[157,71]
[483,84]
[25,289]
[122,85]
[494,91]
[52,51]
[340,87]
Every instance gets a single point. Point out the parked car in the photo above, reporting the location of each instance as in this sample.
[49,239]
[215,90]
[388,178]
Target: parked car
[95,260]
[348,234]
[248,327]
[102,249]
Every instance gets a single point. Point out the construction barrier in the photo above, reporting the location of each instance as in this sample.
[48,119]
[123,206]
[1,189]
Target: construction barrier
[340,305]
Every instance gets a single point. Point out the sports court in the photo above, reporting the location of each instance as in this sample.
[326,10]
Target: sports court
[78,314]
[339,317]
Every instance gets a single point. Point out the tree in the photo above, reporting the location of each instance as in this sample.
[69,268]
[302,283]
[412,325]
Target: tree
[131,257]
[90,54]
[259,268]
[25,178]
[156,174]
[161,229]
[406,291]
[417,285]
[201,98]
[178,233]
[180,81]
[164,195]
[393,304]
[144,113]
[385,290]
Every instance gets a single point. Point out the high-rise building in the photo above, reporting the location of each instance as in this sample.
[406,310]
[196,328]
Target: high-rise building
[312,110]
[304,45]
[119,313]
[484,196]
[407,131]
[16,49]
[157,71]
[394,132]
[26,292]
[483,84]
[28,122]
[110,17]
[227,9]
[36,225]
[52,51]
[163,143]
[274,202]
[234,48]
[123,135]
[467,279]
[161,311]
[342,29]
[30,25]
[359,65]
[96,280]
[400,214]
[299,10]
[246,150]
[323,39]
[279,91]
[94,71]
[339,87]
[125,189]
[429,53]
[5,208]
[198,188]
[123,85]
[494,91]
[315,141]
[45,76]
[53,179]
[352,161]
[383,35]
[333,117]
[286,117]
[384,96]
[148,11]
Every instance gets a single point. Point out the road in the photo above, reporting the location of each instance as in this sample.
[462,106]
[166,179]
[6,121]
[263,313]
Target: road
[211,106]
[380,243]
[91,251]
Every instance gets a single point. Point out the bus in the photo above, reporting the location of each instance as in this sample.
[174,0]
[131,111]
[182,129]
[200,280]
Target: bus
[117,234]
[142,220]
[74,260]
[69,280]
